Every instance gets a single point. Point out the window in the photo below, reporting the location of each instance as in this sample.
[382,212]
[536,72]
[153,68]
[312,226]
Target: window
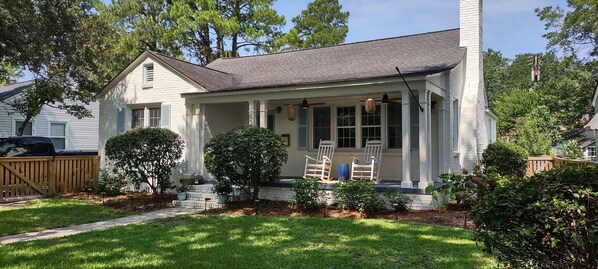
[371,126]
[591,153]
[154,117]
[395,131]
[137,118]
[321,125]
[455,125]
[28,128]
[148,74]
[58,135]
[345,122]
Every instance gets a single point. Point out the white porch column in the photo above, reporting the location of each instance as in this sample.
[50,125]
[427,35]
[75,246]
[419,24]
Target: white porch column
[252,118]
[264,113]
[406,144]
[193,142]
[442,163]
[424,139]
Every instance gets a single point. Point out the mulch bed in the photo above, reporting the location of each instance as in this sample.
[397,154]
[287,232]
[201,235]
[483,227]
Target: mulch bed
[453,216]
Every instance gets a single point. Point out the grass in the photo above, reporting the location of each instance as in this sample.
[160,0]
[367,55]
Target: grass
[255,242]
[52,213]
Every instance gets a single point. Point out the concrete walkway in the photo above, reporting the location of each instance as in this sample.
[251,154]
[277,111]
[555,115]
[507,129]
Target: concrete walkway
[71,230]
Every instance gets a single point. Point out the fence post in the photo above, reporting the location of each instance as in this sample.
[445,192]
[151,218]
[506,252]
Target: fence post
[52,176]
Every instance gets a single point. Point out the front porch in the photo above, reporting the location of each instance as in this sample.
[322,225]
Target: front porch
[415,127]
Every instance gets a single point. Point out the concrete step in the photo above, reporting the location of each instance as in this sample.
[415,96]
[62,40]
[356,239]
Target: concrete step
[201,188]
[201,205]
[200,195]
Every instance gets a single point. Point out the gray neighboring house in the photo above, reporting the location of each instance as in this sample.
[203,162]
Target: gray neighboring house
[590,150]
[66,131]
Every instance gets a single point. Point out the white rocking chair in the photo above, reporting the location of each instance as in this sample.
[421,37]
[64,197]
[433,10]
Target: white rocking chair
[320,166]
[369,166]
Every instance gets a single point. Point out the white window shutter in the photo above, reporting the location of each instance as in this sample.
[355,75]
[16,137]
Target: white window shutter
[165,116]
[120,121]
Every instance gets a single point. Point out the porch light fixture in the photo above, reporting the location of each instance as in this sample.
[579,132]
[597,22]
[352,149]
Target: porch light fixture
[304,104]
[370,105]
[291,112]
[385,99]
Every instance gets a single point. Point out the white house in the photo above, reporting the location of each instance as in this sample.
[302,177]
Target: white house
[442,125]
[590,150]
[66,131]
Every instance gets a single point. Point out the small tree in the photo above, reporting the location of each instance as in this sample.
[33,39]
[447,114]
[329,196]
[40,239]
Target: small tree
[247,156]
[571,150]
[508,158]
[146,155]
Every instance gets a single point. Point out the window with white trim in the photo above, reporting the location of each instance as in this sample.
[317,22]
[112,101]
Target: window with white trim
[148,74]
[28,128]
[371,125]
[591,153]
[58,135]
[138,118]
[345,122]
[395,126]
[154,117]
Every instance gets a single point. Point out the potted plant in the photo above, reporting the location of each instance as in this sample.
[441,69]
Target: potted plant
[182,190]
[196,179]
[222,188]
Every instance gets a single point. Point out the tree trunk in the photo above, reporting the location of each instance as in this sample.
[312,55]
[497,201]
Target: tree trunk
[23,125]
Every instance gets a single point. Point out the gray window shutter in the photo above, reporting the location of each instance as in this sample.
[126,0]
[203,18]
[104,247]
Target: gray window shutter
[120,121]
[165,116]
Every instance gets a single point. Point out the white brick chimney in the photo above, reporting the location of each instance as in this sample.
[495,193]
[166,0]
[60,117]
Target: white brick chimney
[473,102]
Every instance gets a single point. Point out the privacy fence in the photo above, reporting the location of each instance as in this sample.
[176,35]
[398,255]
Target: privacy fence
[45,176]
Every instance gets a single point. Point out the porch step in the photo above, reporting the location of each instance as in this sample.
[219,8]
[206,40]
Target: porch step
[201,205]
[200,196]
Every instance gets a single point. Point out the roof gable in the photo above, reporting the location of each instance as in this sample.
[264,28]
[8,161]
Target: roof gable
[14,89]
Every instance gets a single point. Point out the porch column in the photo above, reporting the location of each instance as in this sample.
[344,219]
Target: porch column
[442,164]
[192,138]
[264,114]
[424,140]
[252,118]
[406,143]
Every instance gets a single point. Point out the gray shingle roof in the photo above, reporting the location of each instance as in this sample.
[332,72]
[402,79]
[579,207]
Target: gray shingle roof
[14,89]
[414,54]
[212,80]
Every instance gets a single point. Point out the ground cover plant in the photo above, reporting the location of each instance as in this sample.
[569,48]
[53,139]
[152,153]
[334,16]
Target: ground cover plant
[256,242]
[52,213]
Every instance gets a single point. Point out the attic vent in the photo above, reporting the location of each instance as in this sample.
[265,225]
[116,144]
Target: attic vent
[148,76]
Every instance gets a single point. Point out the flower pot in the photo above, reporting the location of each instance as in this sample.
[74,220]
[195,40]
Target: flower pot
[222,198]
[181,196]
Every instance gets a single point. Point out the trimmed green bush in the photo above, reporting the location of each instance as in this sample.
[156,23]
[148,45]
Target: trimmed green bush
[398,201]
[358,195]
[545,221]
[309,194]
[509,159]
[146,155]
[108,183]
[247,156]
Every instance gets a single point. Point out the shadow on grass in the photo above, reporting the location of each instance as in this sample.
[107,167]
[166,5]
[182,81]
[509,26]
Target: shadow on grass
[256,242]
[53,213]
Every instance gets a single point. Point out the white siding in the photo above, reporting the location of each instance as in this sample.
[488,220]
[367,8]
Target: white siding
[82,134]
[130,92]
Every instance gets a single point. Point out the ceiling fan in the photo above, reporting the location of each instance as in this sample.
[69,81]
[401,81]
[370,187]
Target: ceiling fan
[385,99]
[305,105]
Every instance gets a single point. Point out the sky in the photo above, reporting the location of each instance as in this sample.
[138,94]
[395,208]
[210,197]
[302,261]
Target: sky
[510,26]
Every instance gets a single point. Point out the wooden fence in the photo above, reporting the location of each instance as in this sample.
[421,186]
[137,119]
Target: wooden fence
[545,163]
[30,176]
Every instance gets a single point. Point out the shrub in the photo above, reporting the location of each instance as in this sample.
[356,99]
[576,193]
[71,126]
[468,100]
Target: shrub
[398,201]
[108,183]
[358,195]
[222,187]
[545,221]
[146,155]
[509,159]
[571,150]
[308,194]
[247,156]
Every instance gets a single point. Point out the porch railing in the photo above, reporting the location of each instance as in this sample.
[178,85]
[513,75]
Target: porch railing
[544,163]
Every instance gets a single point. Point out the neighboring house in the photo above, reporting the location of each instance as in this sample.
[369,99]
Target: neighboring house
[443,68]
[586,141]
[593,124]
[66,131]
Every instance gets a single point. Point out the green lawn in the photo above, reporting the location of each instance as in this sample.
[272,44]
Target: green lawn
[51,213]
[255,242]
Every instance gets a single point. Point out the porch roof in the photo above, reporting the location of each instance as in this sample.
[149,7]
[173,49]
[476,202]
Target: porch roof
[414,54]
